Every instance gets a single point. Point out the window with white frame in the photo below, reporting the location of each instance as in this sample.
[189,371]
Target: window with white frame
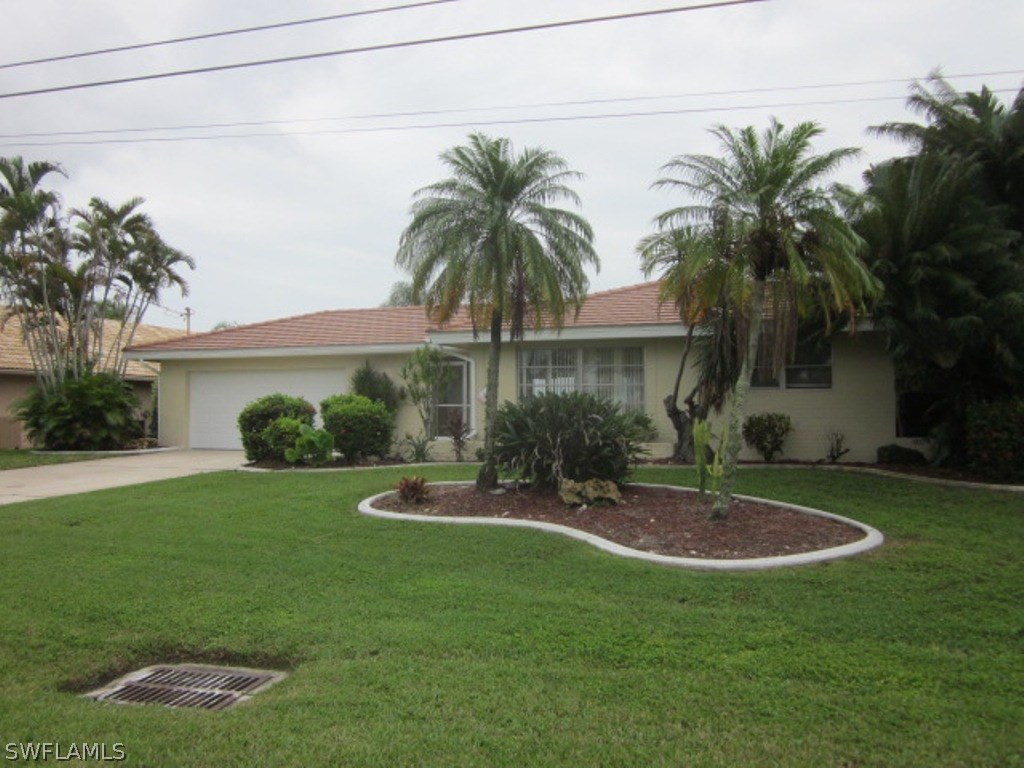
[454,400]
[615,373]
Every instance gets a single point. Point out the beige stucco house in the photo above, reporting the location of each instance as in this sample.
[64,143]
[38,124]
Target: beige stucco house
[17,374]
[623,344]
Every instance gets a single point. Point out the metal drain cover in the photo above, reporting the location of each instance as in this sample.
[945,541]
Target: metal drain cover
[187,685]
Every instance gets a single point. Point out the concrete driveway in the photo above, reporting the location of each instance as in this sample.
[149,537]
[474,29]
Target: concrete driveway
[111,472]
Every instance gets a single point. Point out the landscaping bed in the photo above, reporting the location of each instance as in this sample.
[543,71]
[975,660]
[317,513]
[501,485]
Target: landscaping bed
[661,520]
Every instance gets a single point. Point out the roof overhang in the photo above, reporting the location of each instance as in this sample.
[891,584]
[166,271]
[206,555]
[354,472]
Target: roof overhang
[334,350]
[577,333]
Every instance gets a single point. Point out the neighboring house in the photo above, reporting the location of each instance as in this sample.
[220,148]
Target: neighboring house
[623,344]
[17,373]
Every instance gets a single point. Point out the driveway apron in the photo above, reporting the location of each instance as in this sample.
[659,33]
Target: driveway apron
[110,472]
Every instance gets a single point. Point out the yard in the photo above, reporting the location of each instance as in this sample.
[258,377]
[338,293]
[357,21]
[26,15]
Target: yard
[412,644]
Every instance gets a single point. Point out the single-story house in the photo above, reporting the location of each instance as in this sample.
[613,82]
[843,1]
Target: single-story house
[623,344]
[17,373]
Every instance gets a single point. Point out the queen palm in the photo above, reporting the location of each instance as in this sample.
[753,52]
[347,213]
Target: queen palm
[763,236]
[490,240]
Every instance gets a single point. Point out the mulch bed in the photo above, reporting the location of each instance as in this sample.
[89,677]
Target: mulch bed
[659,520]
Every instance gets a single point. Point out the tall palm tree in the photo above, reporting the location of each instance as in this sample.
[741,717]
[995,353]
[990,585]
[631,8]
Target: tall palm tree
[763,236]
[489,240]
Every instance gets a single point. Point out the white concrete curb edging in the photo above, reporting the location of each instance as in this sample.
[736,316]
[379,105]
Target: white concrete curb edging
[872,538]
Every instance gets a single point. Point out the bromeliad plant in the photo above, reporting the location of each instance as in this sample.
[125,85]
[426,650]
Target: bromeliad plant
[412,490]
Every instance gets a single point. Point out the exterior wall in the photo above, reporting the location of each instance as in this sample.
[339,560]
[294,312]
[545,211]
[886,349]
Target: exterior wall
[861,402]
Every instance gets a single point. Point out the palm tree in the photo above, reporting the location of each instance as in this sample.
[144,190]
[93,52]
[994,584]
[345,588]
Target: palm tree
[487,239]
[762,237]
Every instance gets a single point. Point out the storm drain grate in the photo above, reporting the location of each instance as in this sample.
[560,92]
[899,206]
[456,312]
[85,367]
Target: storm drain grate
[195,686]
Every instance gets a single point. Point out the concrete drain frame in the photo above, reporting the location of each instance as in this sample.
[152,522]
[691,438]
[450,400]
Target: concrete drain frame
[188,686]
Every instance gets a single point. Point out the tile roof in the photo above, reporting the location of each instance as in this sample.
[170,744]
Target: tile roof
[340,327]
[632,305]
[14,355]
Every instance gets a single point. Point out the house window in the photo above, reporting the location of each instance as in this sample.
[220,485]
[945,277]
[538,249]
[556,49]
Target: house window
[615,373]
[453,401]
[811,367]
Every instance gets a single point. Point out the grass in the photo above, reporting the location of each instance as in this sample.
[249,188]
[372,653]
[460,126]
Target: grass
[414,644]
[19,459]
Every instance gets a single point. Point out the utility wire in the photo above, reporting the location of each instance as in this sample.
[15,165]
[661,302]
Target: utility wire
[498,107]
[381,47]
[470,124]
[225,33]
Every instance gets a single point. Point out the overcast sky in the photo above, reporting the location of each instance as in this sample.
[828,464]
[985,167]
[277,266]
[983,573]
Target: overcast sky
[306,215]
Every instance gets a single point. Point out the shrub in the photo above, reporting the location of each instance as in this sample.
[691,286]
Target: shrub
[419,448]
[97,412]
[376,385]
[766,432]
[280,437]
[412,490]
[836,445]
[897,454]
[456,428]
[264,411]
[549,438]
[313,447]
[360,426]
[995,439]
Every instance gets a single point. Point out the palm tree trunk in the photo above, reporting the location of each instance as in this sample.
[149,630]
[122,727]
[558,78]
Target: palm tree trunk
[487,479]
[723,499]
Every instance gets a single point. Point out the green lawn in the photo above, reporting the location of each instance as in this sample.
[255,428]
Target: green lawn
[429,645]
[15,459]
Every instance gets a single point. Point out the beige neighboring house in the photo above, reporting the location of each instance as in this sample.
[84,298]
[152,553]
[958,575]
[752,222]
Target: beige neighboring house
[17,373]
[624,344]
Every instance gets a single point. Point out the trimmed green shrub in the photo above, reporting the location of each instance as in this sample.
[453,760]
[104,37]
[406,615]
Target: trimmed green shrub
[766,433]
[280,437]
[360,426]
[995,439]
[264,411]
[897,454]
[98,412]
[376,385]
[549,438]
[313,447]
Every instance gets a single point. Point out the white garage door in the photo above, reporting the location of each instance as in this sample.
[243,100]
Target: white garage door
[216,399]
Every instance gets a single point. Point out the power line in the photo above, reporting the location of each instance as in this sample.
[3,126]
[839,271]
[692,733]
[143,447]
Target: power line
[471,124]
[501,107]
[224,33]
[380,47]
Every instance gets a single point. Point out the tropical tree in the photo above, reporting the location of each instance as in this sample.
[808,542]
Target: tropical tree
[763,236]
[400,295]
[489,241]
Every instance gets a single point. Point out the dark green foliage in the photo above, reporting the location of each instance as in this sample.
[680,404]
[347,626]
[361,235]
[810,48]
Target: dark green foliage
[98,412]
[280,437]
[549,438]
[313,447]
[360,426]
[412,490]
[376,385]
[944,229]
[264,411]
[766,433]
[995,439]
[898,455]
